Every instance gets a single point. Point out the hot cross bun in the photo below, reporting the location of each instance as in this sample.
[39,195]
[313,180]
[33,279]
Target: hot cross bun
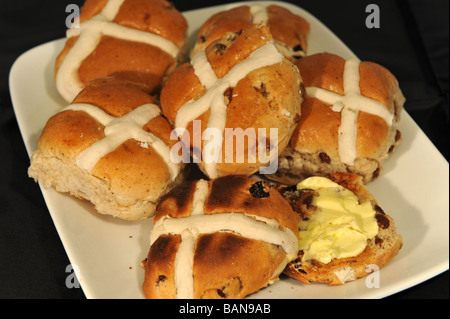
[290,31]
[110,146]
[349,119]
[223,238]
[138,40]
[239,84]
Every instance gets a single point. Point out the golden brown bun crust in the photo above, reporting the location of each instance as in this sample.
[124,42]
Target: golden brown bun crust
[91,8]
[217,25]
[226,256]
[222,266]
[288,29]
[229,194]
[224,263]
[313,149]
[159,280]
[132,173]
[268,97]
[379,251]
[144,63]
[320,123]
[155,16]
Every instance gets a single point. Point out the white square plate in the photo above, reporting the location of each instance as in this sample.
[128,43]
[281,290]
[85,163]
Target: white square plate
[414,190]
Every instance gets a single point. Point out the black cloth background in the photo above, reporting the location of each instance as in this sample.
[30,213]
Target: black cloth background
[412,42]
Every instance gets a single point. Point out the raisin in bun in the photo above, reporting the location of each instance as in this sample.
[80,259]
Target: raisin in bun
[378,251]
[290,31]
[138,40]
[334,137]
[111,147]
[223,238]
[238,83]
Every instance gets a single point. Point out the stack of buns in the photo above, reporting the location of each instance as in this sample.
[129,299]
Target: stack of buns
[111,144]
[141,107]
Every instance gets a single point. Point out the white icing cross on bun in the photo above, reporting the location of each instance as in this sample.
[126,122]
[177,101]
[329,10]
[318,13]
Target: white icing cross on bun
[213,99]
[90,33]
[190,227]
[259,14]
[350,104]
[120,129]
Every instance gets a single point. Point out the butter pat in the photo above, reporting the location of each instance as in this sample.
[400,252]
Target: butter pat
[340,227]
